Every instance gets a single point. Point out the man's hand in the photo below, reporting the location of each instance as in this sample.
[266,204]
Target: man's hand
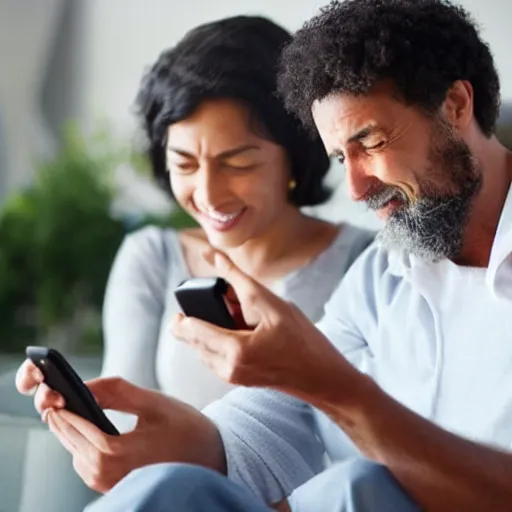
[282,506]
[167,430]
[283,350]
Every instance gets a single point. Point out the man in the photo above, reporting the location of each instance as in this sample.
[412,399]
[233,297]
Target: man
[412,359]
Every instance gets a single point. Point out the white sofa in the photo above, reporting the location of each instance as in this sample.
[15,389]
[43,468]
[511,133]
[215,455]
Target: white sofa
[36,473]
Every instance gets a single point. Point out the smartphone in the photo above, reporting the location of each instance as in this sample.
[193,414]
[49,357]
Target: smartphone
[60,376]
[203,297]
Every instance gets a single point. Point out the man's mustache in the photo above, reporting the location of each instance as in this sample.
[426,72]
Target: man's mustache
[377,199]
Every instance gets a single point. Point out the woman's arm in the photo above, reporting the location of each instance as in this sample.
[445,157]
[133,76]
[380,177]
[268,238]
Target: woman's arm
[133,308]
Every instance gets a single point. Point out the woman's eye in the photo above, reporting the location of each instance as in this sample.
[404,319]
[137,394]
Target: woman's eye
[238,166]
[182,167]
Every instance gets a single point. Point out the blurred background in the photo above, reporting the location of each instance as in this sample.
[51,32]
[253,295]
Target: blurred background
[73,183]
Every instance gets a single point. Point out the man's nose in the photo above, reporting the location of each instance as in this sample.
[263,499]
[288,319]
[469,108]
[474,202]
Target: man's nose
[359,179]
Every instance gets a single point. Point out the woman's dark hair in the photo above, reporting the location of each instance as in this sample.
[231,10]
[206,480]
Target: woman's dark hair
[421,46]
[236,58]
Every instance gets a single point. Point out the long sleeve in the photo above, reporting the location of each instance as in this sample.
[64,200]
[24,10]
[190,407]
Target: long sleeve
[270,441]
[132,314]
[133,308]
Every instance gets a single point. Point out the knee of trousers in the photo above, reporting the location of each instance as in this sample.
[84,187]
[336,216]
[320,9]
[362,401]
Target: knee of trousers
[177,483]
[159,488]
[362,475]
[368,485]
[353,485]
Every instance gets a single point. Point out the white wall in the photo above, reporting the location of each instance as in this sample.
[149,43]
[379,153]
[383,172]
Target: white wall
[120,38]
[26,34]
[126,36]
[493,17]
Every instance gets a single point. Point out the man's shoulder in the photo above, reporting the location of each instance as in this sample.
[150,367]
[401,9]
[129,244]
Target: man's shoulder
[364,297]
[375,278]
[376,262]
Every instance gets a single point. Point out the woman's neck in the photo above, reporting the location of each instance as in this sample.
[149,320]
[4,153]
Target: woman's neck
[289,243]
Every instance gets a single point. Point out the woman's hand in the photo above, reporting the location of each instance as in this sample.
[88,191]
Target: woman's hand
[30,381]
[167,430]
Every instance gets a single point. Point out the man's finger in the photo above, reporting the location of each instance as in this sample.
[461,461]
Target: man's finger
[243,284]
[235,308]
[203,335]
[254,298]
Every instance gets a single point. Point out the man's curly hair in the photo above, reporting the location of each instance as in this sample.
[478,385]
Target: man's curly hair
[421,46]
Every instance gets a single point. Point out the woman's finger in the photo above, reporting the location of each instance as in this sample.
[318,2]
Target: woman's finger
[28,377]
[61,432]
[46,398]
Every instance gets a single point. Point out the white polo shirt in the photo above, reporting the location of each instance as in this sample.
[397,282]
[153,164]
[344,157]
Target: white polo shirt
[436,336]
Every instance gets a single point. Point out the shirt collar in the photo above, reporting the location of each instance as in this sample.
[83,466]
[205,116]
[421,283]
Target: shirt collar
[499,271]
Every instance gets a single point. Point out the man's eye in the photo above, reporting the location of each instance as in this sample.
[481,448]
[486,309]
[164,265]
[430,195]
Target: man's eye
[376,146]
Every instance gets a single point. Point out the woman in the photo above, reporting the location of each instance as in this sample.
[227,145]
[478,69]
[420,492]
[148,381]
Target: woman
[242,167]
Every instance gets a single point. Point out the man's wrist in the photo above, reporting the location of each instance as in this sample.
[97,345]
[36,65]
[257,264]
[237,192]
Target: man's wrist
[331,384]
[343,391]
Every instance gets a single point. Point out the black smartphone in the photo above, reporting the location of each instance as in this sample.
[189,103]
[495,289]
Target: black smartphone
[203,297]
[60,376]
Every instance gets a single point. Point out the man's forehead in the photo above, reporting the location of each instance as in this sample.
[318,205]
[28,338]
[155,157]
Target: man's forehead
[343,115]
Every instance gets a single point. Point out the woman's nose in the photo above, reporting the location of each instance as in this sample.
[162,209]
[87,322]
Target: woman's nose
[210,188]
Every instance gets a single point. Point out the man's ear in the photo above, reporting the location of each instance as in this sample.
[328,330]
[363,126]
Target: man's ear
[458,104]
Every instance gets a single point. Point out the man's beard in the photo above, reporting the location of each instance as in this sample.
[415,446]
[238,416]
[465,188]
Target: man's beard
[432,226]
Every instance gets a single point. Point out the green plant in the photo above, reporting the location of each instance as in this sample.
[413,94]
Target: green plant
[57,243]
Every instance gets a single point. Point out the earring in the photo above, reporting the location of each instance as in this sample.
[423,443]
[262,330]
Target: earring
[292,184]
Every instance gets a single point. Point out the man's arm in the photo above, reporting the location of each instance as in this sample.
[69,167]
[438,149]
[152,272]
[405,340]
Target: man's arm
[286,352]
[440,470]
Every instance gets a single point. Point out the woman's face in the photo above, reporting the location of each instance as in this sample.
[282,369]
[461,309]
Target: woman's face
[230,179]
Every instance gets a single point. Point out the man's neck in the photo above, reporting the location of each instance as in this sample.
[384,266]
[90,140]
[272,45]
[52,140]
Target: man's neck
[488,205]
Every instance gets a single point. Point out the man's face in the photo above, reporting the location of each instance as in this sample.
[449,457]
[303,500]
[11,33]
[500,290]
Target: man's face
[414,170]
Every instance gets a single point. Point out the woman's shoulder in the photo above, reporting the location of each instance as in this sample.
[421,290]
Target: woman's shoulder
[151,236]
[151,250]
[357,237]
[349,243]
[312,286]
[155,241]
